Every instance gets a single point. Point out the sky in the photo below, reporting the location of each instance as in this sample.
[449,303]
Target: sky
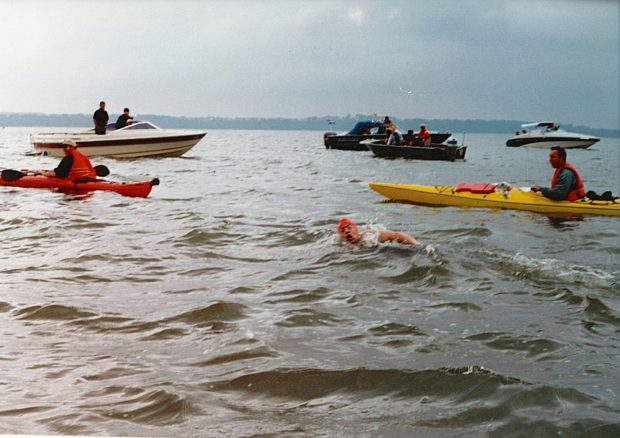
[524,60]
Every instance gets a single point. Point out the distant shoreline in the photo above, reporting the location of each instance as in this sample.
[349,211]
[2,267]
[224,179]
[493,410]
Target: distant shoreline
[322,123]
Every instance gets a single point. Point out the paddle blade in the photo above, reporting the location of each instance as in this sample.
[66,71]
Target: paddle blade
[12,175]
[101,170]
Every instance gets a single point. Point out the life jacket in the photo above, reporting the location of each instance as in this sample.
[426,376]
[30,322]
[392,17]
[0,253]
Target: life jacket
[576,193]
[424,134]
[82,167]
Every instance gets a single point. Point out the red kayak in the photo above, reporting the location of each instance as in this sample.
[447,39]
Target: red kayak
[15,178]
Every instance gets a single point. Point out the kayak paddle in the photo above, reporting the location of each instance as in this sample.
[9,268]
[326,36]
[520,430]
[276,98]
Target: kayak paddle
[101,170]
[14,175]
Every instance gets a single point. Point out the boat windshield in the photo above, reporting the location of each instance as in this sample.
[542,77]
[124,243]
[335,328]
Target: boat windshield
[541,126]
[140,125]
[365,127]
[133,126]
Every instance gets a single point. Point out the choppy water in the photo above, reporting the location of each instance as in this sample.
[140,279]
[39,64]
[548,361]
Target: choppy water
[224,306]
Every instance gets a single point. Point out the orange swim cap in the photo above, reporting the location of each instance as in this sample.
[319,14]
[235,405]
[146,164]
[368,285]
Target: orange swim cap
[344,222]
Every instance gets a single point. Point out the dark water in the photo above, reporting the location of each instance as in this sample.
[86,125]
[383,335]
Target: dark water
[224,306]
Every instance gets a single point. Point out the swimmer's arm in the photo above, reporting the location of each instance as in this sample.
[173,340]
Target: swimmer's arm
[395,236]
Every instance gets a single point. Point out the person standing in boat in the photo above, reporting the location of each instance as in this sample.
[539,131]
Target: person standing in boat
[389,125]
[348,231]
[100,119]
[566,183]
[74,165]
[124,119]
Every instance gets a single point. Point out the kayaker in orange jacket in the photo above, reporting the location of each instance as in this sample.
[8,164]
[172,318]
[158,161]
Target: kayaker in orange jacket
[566,183]
[74,165]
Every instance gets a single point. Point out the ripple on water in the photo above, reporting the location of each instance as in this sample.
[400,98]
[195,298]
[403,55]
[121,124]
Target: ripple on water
[299,296]
[237,356]
[392,329]
[52,312]
[153,407]
[308,317]
[443,399]
[307,384]
[217,312]
[548,270]
[540,348]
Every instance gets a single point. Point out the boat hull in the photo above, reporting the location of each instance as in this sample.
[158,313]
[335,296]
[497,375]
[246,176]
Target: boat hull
[332,140]
[133,189]
[432,152]
[516,199]
[111,146]
[547,142]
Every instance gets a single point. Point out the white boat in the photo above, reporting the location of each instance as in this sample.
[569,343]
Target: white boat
[547,134]
[140,139]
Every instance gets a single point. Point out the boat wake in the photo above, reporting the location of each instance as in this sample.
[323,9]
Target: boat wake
[565,271]
[547,269]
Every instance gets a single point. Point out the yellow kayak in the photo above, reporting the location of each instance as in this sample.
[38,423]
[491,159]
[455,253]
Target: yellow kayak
[494,196]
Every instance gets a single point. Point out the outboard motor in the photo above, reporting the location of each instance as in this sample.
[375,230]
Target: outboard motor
[325,136]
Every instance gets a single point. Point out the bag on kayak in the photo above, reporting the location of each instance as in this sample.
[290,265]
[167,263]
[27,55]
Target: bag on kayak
[606,196]
[480,188]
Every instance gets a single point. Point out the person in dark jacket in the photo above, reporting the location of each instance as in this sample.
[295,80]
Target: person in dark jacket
[100,119]
[124,119]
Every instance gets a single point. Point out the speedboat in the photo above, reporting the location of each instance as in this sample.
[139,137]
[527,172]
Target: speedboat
[547,134]
[140,139]
[367,130]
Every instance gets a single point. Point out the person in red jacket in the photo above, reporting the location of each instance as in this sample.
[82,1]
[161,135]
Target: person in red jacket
[424,137]
[566,183]
[74,165]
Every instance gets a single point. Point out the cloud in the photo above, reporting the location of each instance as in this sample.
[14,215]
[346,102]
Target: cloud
[515,59]
[393,14]
[357,16]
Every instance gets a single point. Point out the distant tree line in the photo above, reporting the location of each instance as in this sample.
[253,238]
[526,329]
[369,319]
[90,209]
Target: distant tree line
[324,123]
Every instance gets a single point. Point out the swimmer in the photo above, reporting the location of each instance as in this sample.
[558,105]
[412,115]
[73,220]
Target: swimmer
[347,229]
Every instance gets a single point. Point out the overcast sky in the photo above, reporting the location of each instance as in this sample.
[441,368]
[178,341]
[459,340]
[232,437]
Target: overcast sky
[465,59]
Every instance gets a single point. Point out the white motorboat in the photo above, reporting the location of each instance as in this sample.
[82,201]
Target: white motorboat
[140,139]
[547,134]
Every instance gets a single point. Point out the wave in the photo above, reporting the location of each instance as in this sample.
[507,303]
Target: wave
[449,400]
[547,269]
[52,312]
[156,407]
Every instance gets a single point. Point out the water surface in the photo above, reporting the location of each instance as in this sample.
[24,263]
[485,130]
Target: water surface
[223,305]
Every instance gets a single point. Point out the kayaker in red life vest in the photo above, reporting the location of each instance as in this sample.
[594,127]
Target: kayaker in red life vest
[566,183]
[74,165]
[347,229]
